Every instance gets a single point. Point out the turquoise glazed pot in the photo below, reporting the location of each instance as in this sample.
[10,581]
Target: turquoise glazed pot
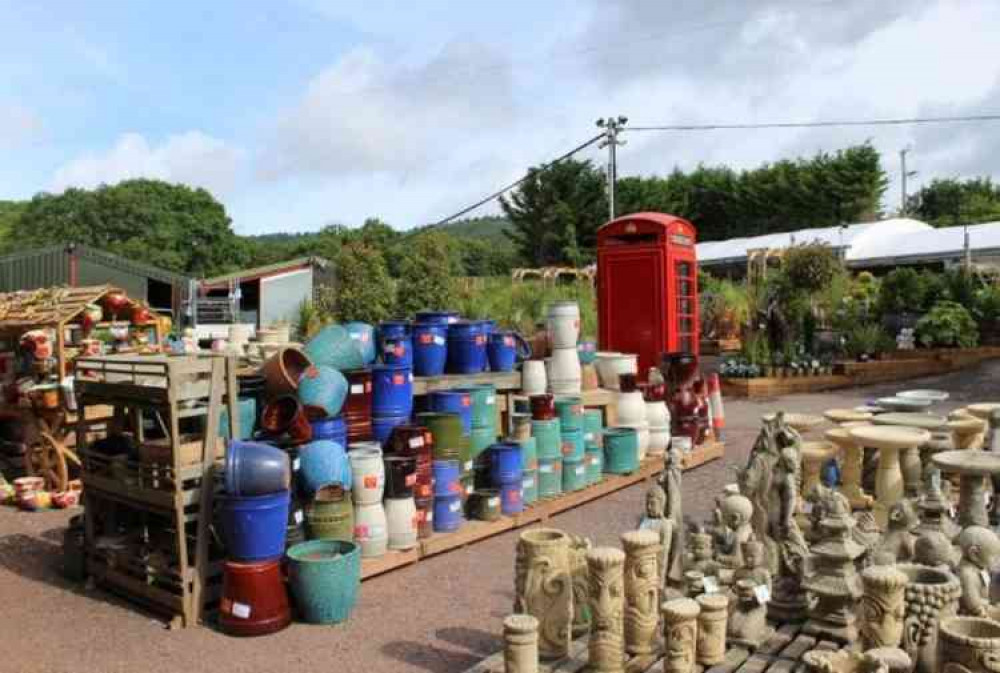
[334,347]
[322,391]
[325,576]
[549,477]
[621,450]
[364,336]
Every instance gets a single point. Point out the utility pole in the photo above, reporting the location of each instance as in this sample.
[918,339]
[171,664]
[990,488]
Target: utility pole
[612,126]
[903,176]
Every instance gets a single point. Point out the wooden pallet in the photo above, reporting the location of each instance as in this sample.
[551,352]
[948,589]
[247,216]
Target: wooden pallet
[540,511]
[781,653]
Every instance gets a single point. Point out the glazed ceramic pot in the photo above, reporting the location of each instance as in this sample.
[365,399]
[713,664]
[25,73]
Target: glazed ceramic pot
[286,416]
[533,378]
[322,391]
[284,369]
[610,365]
[401,519]
[367,476]
[371,529]
[631,408]
[564,325]
[563,372]
[543,407]
[254,601]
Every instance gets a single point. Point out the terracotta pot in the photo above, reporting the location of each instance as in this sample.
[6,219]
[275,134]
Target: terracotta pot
[254,601]
[115,302]
[141,315]
[284,369]
[543,407]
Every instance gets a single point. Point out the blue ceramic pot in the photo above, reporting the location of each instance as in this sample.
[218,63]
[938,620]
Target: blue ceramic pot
[255,468]
[364,336]
[322,390]
[323,462]
[335,348]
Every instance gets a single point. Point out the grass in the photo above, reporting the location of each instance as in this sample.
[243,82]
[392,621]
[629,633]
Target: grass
[521,306]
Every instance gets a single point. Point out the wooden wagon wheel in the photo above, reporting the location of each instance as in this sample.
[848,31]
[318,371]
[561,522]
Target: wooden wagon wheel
[47,458]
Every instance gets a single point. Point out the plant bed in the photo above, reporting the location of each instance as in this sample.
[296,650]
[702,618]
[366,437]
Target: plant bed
[772,386]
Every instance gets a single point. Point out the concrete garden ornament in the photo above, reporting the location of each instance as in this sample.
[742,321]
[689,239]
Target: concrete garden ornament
[544,587]
[670,482]
[606,647]
[747,626]
[654,521]
[969,645]
[711,640]
[642,590]
[900,539]
[520,634]
[824,661]
[578,567]
[680,631]
[931,596]
[980,551]
[882,607]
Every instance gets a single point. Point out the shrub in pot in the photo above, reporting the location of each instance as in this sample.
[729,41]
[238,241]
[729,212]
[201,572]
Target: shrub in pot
[948,324]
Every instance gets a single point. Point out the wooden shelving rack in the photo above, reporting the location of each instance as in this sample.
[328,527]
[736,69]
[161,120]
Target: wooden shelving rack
[148,519]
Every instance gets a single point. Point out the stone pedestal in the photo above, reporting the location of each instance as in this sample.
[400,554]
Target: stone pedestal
[711,640]
[851,468]
[520,652]
[606,647]
[544,587]
[642,590]
[973,468]
[680,634]
[889,441]
[882,607]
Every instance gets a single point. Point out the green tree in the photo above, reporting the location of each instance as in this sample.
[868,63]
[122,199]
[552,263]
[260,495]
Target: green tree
[364,290]
[10,212]
[556,212]
[425,274]
[171,226]
[948,202]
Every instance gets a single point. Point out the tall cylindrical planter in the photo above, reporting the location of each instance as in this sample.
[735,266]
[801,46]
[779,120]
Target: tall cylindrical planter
[330,516]
[543,587]
[533,377]
[371,529]
[710,646]
[606,572]
[401,520]
[367,476]
[642,590]
[931,596]
[564,325]
[882,607]
[520,652]
[563,372]
[680,634]
[325,577]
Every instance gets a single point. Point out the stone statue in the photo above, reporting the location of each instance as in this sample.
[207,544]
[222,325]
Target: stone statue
[980,550]
[544,587]
[578,547]
[882,607]
[680,630]
[756,482]
[606,647]
[789,602]
[747,626]
[656,501]
[843,661]
[722,536]
[754,567]
[711,640]
[900,539]
[520,652]
[737,511]
[694,583]
[701,556]
[670,481]
[642,590]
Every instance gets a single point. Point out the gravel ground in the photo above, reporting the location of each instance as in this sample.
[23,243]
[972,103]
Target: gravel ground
[440,615]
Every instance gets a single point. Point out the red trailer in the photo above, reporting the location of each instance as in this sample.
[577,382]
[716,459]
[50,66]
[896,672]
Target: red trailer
[647,287]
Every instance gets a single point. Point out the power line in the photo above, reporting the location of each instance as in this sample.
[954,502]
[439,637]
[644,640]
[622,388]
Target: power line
[514,184]
[818,124]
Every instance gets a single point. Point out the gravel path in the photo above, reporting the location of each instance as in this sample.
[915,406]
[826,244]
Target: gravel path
[440,615]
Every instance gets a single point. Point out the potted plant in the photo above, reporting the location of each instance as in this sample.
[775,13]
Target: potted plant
[948,324]
[865,342]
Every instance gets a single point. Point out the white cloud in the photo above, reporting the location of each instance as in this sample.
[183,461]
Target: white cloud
[192,158]
[18,125]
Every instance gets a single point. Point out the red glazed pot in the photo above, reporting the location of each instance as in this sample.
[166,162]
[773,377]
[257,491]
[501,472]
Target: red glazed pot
[286,415]
[141,315]
[357,410]
[543,407]
[254,600]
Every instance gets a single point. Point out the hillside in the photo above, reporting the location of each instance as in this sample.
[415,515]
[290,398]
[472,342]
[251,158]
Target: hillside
[489,228]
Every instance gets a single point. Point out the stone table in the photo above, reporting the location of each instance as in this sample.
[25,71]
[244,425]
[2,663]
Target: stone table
[973,468]
[841,416]
[888,440]
[912,460]
[850,476]
[967,433]
[814,456]
[801,423]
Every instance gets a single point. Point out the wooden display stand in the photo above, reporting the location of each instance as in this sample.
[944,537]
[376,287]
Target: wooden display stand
[147,520]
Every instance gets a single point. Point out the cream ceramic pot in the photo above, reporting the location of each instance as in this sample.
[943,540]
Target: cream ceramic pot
[564,324]
[564,374]
[533,378]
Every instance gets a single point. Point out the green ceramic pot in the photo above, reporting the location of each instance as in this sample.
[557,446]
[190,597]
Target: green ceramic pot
[529,454]
[574,475]
[569,409]
[484,405]
[447,432]
[549,477]
[484,505]
[621,450]
[594,461]
[593,424]
[548,437]
[529,486]
[572,445]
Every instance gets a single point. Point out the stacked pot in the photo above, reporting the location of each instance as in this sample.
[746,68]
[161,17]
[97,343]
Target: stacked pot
[400,507]
[564,373]
[593,444]
[254,516]
[457,402]
[658,417]
[449,441]
[483,407]
[416,442]
[506,475]
[546,430]
[632,412]
[569,410]
[368,478]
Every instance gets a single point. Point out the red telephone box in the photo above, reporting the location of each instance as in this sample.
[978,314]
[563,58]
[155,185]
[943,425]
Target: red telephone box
[647,287]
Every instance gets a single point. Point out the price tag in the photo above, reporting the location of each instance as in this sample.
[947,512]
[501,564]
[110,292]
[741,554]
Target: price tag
[455,506]
[711,585]
[296,464]
[241,610]
[370,481]
[439,340]
[416,442]
[426,338]
[377,531]
[469,489]
[491,400]
[807,507]
[579,470]
[430,516]
[411,479]
[398,379]
[493,502]
[358,389]
[528,483]
[762,593]
[298,516]
[468,465]
[545,468]
[466,401]
[589,437]
[985,575]
[361,532]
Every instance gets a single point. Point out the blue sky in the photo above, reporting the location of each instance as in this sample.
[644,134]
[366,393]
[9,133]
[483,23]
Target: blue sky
[298,114]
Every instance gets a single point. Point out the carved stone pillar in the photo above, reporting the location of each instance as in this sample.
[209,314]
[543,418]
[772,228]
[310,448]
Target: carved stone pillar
[544,587]
[520,652]
[606,648]
[882,607]
[711,642]
[642,591]
[680,634]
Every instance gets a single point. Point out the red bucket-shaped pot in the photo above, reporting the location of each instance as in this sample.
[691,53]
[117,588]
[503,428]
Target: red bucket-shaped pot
[286,415]
[284,369]
[543,407]
[254,601]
